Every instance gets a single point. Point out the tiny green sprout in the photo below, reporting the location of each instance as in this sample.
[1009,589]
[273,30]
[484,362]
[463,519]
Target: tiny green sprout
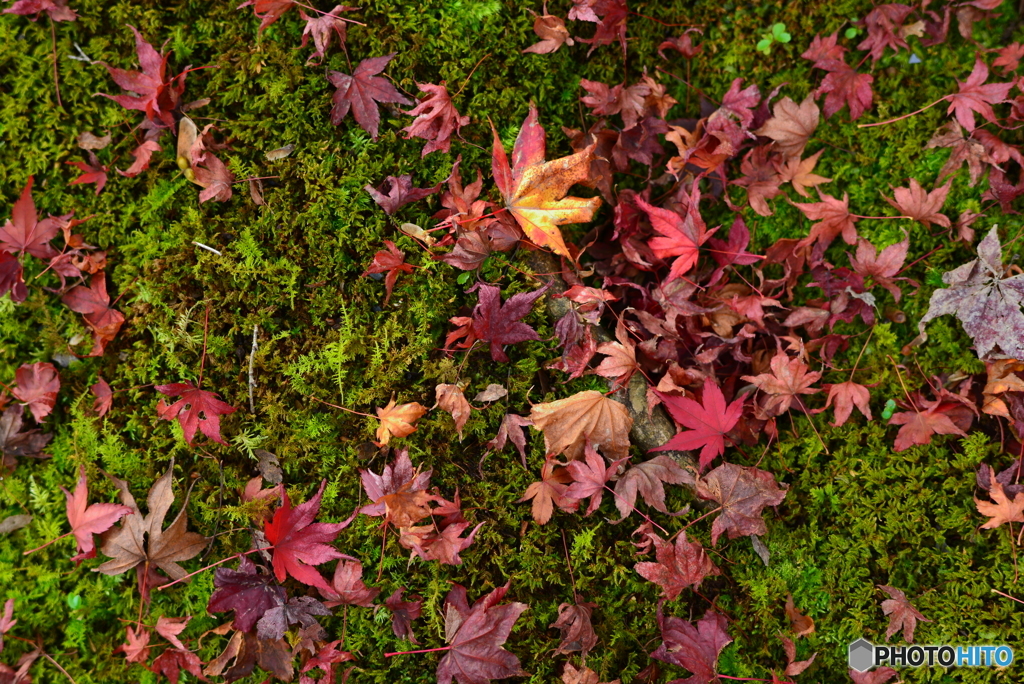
[463,278]
[887,411]
[851,32]
[778,34]
[74,601]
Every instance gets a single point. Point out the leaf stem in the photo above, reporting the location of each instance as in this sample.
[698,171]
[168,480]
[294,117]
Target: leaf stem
[905,116]
[422,650]
[38,548]
[327,403]
[223,560]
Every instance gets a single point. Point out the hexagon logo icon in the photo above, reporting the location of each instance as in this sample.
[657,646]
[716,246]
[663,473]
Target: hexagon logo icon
[862,655]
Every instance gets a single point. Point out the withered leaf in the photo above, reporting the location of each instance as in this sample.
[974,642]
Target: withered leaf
[450,398]
[902,615]
[577,631]
[568,423]
[743,492]
[792,125]
[398,421]
[646,479]
[141,540]
[680,565]
[475,636]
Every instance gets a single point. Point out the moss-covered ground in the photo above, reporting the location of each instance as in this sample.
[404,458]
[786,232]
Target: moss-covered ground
[857,515]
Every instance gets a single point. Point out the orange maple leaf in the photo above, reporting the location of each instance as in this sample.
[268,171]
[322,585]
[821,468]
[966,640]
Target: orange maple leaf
[534,190]
[398,421]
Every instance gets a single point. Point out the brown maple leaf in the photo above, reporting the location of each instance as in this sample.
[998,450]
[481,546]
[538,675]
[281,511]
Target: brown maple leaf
[902,615]
[1002,378]
[141,541]
[921,205]
[680,565]
[568,423]
[550,492]
[791,126]
[552,32]
[743,492]
[800,172]
[450,398]
[584,675]
[577,631]
[787,381]
[988,305]
[801,624]
[398,421]
[534,190]
[1004,509]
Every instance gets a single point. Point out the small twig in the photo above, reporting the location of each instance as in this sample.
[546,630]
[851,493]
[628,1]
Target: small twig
[56,78]
[862,350]
[207,248]
[252,370]
[463,86]
[81,56]
[39,548]
[327,403]
[202,359]
[565,547]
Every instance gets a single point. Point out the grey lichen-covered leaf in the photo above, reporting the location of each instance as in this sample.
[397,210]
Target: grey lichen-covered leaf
[987,304]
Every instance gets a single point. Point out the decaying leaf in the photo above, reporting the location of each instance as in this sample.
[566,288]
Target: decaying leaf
[568,423]
[398,421]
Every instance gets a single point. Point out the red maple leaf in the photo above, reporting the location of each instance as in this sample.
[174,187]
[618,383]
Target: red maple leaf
[902,615]
[436,119]
[208,171]
[881,267]
[549,492]
[822,51]
[694,647]
[361,92]
[918,426]
[92,172]
[87,520]
[196,409]
[155,95]
[249,591]
[709,422]
[397,192]
[299,543]
[104,397]
[610,17]
[921,205]
[37,388]
[321,27]
[834,218]
[847,395]
[23,232]
[976,96]
[844,86]
[392,262]
[499,323]
[884,25]
[475,636]
[646,479]
[679,236]
[57,10]
[172,661]
[403,613]
[743,492]
[12,277]
[684,564]
[268,11]
[348,588]
[399,476]
[789,378]
[590,477]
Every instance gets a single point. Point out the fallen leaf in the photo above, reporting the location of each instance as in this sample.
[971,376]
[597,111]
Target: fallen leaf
[884,24]
[847,395]
[921,205]
[24,232]
[16,443]
[1004,509]
[196,409]
[170,627]
[793,666]
[568,423]
[57,10]
[511,429]
[299,543]
[800,173]
[493,392]
[301,610]
[436,119]
[249,591]
[549,492]
[987,304]
[395,193]
[475,636]
[590,478]
[577,631]
[788,380]
[403,613]
[962,150]
[709,422]
[398,421]
[902,615]
[977,96]
[141,542]
[501,324]
[791,126]
[743,493]
[884,267]
[552,32]
[13,523]
[694,647]
[834,219]
[104,397]
[799,623]
[450,398]
[87,520]
[172,661]
[348,588]
[361,92]
[534,190]
[321,27]
[154,94]
[680,565]
[392,262]
[646,479]
[37,387]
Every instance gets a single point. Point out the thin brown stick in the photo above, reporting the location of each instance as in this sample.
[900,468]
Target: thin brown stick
[38,548]
[202,359]
[466,81]
[56,77]
[905,116]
